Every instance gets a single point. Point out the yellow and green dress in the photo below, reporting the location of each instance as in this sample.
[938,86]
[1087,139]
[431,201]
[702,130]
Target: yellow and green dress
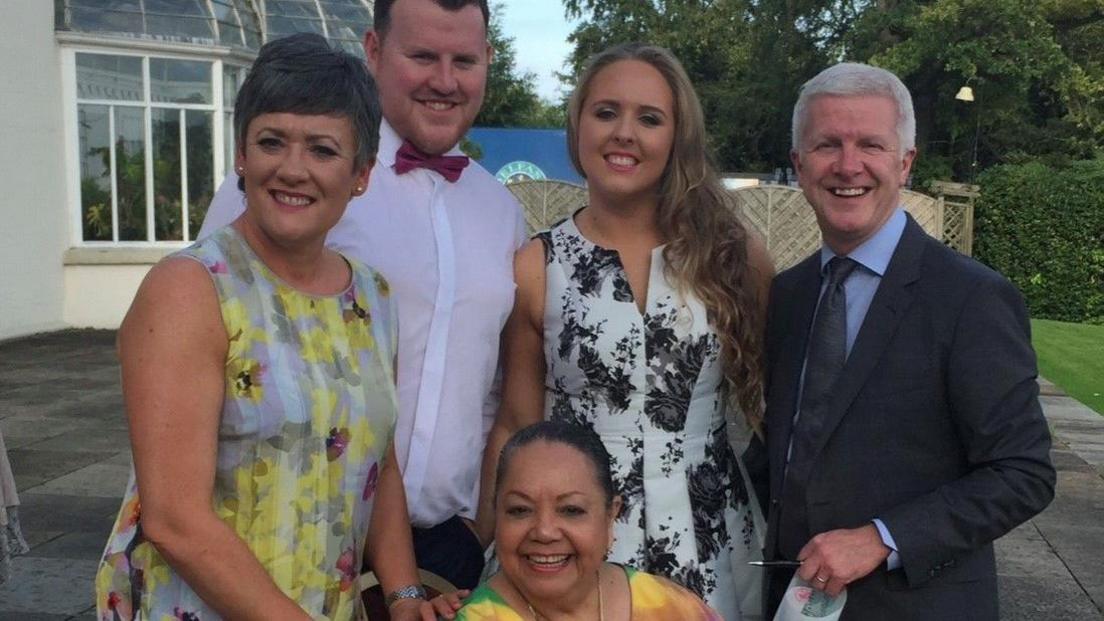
[308,415]
[653,599]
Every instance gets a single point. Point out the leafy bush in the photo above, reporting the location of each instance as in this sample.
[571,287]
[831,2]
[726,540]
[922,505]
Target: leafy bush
[1042,226]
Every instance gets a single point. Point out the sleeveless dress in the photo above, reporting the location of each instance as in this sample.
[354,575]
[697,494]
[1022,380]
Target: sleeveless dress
[651,386]
[308,415]
[653,599]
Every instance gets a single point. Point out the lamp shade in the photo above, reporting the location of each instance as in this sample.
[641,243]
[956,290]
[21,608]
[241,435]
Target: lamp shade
[965,94]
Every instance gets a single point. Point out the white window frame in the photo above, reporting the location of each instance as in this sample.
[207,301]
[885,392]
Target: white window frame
[219,58]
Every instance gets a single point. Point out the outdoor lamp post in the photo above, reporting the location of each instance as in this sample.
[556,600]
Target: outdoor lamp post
[967,94]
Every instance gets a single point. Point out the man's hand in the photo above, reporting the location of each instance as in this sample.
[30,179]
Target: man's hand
[832,560]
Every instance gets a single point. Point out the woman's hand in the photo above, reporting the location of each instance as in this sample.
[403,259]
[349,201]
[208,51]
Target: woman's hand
[446,604]
[443,606]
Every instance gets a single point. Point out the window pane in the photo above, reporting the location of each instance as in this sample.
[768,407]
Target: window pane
[100,76]
[228,142]
[95,172]
[231,78]
[180,81]
[292,8]
[130,171]
[166,175]
[230,32]
[124,16]
[201,179]
[179,20]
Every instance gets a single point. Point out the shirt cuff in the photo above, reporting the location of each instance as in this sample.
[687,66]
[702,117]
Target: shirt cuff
[894,559]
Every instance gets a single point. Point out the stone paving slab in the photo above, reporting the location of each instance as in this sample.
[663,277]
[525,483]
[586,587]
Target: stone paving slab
[49,512]
[104,479]
[35,467]
[56,586]
[1034,583]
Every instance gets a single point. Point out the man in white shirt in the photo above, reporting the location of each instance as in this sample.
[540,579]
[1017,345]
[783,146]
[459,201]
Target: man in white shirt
[443,232]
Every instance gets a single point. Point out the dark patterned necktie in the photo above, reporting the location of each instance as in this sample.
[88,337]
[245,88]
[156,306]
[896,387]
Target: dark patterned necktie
[825,355]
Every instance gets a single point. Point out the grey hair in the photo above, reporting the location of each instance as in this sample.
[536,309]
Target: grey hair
[856,79]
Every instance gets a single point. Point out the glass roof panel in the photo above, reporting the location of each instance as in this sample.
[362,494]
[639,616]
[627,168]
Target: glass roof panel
[347,20]
[230,23]
[229,30]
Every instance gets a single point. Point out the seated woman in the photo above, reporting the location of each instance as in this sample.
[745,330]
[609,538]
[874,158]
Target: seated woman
[555,506]
[257,370]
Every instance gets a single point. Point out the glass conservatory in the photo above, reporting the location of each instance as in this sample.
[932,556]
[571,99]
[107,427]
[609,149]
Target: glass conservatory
[150,86]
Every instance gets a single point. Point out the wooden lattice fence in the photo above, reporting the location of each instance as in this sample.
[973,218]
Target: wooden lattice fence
[781,214]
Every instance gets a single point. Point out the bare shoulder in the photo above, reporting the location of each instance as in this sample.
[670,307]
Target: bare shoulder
[529,264]
[175,300]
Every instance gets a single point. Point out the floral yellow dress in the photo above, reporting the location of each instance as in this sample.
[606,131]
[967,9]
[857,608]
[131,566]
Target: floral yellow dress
[308,415]
[653,599]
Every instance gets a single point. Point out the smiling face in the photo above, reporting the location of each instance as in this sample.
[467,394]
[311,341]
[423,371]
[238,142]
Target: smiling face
[299,175]
[626,128]
[431,68]
[851,166]
[552,524]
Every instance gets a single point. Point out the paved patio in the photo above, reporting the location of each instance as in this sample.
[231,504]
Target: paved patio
[62,419]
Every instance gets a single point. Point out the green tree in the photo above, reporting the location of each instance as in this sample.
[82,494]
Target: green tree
[1032,97]
[1037,69]
[511,99]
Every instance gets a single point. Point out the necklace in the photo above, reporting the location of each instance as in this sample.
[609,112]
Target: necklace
[601,610]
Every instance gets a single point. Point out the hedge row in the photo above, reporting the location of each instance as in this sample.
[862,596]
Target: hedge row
[1043,228]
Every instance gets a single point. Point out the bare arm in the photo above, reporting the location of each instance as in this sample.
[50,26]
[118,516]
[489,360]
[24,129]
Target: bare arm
[390,545]
[172,346]
[523,371]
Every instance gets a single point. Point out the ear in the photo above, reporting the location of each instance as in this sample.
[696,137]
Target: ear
[490,54]
[795,159]
[373,44]
[362,177]
[614,511]
[239,158]
[906,165]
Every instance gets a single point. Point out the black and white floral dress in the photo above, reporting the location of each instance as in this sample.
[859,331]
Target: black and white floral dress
[651,386]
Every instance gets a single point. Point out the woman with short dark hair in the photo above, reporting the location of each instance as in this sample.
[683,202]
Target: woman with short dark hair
[257,371]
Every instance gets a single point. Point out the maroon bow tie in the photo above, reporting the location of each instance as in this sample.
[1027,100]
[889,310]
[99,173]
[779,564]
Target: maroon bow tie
[448,166]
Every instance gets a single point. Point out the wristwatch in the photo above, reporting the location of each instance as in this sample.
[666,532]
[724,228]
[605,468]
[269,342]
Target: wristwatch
[410,591]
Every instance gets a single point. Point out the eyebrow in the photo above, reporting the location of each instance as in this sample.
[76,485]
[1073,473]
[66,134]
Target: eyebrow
[310,137]
[524,496]
[645,107]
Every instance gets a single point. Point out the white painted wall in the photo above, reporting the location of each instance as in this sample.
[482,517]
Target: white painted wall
[34,227]
[98,296]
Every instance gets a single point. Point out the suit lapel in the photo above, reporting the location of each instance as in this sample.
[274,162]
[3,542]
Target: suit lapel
[789,351]
[894,295]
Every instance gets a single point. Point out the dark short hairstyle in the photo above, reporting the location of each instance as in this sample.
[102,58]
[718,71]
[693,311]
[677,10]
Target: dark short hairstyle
[381,12]
[554,432]
[302,74]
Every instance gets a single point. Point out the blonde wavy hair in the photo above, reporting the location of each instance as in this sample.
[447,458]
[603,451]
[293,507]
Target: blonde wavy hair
[707,245]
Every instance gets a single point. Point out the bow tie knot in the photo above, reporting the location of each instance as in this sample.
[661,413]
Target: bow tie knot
[409,157]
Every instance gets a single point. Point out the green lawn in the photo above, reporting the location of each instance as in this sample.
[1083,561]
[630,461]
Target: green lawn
[1072,356]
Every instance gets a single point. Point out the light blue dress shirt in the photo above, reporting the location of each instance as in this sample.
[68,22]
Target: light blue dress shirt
[873,257]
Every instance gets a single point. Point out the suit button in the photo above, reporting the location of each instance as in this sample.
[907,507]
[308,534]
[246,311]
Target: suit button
[774,502]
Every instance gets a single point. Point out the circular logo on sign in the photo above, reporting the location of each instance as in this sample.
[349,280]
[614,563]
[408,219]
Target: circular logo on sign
[519,171]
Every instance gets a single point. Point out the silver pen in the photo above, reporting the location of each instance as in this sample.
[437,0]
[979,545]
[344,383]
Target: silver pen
[775,563]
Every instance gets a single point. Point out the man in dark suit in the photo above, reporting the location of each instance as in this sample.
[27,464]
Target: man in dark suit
[903,428]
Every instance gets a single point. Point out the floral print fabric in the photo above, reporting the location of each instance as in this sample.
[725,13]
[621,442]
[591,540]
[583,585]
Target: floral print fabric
[653,599]
[309,412]
[651,386]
